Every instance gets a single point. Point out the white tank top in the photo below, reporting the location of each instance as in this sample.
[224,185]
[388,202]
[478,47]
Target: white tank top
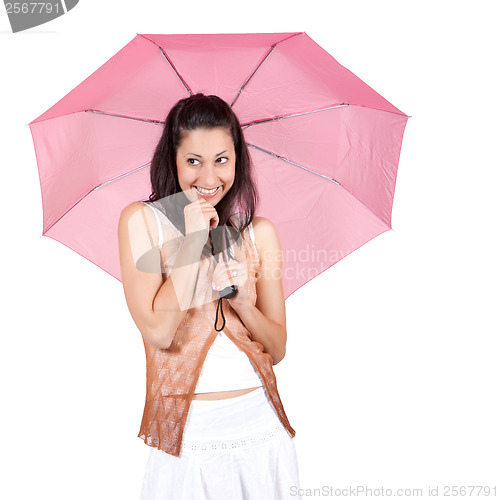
[226,366]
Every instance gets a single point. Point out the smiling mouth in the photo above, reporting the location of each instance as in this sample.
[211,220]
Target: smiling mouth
[207,191]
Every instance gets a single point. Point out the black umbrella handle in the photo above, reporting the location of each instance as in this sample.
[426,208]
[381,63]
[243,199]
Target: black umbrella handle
[230,291]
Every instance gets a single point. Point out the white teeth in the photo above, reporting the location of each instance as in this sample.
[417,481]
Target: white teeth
[206,191]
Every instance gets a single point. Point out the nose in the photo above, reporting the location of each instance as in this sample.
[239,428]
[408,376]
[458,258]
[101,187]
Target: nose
[209,179]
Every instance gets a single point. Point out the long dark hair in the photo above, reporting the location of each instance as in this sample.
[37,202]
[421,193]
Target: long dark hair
[191,113]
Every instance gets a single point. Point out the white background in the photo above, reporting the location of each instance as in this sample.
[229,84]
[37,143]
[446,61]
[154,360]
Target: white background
[391,373]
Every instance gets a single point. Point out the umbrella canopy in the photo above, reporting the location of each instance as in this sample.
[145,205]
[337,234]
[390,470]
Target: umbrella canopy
[324,145]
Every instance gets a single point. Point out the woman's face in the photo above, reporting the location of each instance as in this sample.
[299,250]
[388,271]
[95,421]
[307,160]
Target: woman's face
[206,159]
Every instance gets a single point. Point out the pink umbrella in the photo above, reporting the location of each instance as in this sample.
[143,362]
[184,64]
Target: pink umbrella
[324,145]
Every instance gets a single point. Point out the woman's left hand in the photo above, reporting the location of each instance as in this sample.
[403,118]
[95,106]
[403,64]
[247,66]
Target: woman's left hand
[223,277]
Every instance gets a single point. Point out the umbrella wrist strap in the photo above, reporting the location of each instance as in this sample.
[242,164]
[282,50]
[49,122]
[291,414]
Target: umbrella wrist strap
[219,304]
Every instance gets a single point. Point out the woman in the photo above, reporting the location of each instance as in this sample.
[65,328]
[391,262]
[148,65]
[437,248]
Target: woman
[213,416]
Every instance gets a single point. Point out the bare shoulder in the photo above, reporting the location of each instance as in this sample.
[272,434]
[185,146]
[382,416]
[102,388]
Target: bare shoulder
[266,236]
[136,216]
[136,207]
[262,224]
[132,208]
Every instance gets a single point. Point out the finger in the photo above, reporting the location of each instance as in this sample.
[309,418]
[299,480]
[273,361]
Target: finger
[225,283]
[192,195]
[240,278]
[224,265]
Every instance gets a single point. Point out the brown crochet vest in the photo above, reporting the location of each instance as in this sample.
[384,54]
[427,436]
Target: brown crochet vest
[172,374]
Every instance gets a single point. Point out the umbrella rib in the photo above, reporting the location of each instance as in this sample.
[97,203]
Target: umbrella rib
[282,117]
[292,115]
[120,177]
[170,62]
[93,189]
[253,73]
[279,157]
[122,116]
[260,64]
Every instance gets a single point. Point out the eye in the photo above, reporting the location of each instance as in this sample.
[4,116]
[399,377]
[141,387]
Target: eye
[223,158]
[193,159]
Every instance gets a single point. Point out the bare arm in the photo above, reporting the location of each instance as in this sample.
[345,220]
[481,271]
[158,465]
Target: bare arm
[174,298]
[157,307]
[266,321]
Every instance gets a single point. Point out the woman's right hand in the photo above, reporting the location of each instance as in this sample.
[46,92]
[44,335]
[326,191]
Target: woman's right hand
[199,216]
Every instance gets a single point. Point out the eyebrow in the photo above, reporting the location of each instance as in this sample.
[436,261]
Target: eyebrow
[199,156]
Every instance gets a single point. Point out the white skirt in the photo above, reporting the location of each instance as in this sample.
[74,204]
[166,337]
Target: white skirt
[234,449]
